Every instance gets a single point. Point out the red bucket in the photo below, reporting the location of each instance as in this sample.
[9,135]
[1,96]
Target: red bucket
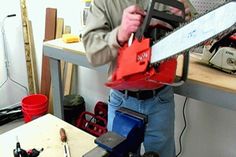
[34,106]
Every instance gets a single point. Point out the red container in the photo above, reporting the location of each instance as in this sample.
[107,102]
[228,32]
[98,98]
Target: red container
[34,106]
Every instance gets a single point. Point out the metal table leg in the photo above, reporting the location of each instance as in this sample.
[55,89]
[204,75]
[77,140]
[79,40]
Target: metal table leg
[57,88]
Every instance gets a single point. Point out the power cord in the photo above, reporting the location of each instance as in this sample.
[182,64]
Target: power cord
[185,126]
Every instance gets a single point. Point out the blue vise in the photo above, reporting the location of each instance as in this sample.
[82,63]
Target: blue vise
[125,138]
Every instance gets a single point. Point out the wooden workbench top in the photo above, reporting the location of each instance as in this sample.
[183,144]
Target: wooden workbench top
[44,133]
[198,72]
[204,74]
[77,47]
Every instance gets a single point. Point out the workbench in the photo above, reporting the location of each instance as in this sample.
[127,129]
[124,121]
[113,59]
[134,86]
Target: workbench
[43,133]
[204,83]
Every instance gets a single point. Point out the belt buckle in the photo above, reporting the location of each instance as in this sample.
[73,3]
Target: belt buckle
[126,93]
[138,95]
[154,93]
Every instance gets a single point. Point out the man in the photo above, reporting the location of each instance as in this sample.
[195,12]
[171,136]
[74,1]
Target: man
[109,26]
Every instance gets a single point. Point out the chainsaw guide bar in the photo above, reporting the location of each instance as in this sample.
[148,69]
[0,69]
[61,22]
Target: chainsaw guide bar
[216,23]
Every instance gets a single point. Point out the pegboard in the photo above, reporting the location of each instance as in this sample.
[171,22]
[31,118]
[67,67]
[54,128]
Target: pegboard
[202,6]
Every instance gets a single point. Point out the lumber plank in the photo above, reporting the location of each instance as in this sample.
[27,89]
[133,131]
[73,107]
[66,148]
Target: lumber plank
[50,33]
[33,58]
[60,26]
[68,79]
[28,51]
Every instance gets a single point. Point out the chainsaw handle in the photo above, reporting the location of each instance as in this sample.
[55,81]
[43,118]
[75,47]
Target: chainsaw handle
[172,19]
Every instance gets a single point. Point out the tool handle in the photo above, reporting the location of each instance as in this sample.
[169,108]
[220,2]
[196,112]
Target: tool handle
[63,135]
[11,15]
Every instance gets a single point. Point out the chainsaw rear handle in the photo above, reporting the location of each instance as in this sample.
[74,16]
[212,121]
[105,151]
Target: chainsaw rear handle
[152,12]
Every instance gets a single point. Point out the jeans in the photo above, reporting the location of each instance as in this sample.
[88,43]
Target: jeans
[159,134]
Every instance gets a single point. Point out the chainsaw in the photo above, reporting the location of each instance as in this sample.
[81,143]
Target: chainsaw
[221,53]
[148,63]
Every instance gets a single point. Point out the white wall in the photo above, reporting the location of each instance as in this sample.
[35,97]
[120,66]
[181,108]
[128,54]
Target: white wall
[211,129]
[11,93]
[69,10]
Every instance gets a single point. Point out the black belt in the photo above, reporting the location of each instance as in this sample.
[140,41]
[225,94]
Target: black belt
[142,94]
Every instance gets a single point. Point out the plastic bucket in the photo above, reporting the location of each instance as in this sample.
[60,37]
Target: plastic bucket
[34,106]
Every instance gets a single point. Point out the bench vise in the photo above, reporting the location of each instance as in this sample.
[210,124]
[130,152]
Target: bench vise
[125,138]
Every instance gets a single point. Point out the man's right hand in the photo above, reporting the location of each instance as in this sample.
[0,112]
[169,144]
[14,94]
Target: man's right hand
[131,20]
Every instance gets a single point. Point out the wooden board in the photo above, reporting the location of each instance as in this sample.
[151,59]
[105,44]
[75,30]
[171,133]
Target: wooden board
[50,24]
[44,133]
[28,45]
[68,79]
[60,26]
[50,101]
[207,75]
[33,58]
[50,33]
[74,83]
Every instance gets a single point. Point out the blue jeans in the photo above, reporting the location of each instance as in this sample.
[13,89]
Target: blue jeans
[159,134]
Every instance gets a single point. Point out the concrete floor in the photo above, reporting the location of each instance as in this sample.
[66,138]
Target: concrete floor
[11,125]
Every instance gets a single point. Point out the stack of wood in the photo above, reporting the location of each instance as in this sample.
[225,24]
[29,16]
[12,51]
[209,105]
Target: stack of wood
[54,29]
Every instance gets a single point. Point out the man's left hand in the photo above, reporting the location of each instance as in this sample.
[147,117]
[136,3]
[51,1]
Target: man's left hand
[179,12]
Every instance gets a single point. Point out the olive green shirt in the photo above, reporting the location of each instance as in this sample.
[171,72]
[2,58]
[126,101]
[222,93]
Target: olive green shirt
[100,35]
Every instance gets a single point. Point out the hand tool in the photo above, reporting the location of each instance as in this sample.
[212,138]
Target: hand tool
[19,152]
[34,152]
[64,142]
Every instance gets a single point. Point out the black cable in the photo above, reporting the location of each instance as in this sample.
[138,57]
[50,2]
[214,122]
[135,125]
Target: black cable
[10,114]
[185,126]
[90,120]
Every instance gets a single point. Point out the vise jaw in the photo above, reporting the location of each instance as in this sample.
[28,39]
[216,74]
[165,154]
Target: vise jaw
[125,138]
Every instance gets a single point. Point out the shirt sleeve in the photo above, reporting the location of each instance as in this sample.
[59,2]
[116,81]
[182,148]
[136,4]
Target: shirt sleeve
[99,38]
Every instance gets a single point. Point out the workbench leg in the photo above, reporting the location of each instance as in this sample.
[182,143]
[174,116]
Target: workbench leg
[57,91]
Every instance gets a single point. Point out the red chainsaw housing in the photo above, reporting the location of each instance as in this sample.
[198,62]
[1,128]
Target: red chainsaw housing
[133,70]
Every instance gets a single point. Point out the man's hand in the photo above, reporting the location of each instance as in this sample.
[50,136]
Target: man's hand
[175,11]
[132,18]
[179,13]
